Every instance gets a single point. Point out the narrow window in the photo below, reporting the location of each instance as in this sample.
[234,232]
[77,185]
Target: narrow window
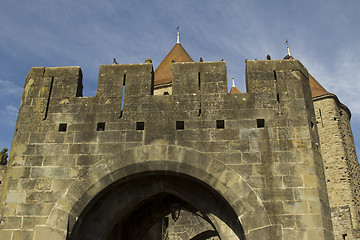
[48,100]
[140,125]
[277,98]
[179,124]
[220,124]
[260,123]
[62,127]
[322,124]
[275,77]
[100,126]
[199,81]
[122,97]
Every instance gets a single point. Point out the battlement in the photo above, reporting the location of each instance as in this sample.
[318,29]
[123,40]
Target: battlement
[278,94]
[258,149]
[197,88]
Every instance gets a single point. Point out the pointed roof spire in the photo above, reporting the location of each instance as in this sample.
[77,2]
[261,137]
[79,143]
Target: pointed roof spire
[287,45]
[234,89]
[163,73]
[178,35]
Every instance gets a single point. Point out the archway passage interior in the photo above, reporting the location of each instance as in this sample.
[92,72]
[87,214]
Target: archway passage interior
[135,208]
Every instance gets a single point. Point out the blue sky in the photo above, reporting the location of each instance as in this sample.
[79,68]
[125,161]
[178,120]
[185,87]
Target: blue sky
[323,35]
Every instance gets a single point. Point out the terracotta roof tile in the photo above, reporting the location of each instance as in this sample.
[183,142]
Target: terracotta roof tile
[163,72]
[316,89]
[234,90]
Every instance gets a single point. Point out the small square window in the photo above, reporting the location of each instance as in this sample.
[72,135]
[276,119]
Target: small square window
[62,127]
[260,123]
[180,124]
[140,125]
[220,124]
[100,126]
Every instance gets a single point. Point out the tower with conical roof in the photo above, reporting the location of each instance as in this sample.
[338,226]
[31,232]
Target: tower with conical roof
[340,161]
[341,165]
[163,73]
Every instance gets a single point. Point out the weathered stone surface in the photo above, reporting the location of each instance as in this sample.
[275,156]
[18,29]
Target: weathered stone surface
[252,160]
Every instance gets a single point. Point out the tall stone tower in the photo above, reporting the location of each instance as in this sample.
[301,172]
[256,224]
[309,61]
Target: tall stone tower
[173,155]
[341,164]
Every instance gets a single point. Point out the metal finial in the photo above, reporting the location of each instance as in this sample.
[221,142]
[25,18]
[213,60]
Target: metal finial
[178,35]
[233,80]
[288,48]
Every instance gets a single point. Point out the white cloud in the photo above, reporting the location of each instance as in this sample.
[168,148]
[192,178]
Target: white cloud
[9,88]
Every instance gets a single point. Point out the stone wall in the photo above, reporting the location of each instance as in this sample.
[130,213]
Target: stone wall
[254,154]
[341,165]
[2,178]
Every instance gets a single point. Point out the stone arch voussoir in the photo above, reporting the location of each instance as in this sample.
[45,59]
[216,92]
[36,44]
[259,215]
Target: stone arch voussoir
[165,158]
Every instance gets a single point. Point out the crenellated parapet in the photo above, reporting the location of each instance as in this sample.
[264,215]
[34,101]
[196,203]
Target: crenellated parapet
[258,150]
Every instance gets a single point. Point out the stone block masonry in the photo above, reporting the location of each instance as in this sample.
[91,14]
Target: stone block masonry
[108,166]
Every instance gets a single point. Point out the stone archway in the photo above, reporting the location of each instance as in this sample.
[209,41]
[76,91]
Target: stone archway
[129,209]
[151,158]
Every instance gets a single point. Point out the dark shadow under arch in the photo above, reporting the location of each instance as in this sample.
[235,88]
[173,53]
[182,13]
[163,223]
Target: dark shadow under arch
[129,207]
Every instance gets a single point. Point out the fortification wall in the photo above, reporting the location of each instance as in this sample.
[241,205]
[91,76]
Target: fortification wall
[341,166]
[262,143]
[2,178]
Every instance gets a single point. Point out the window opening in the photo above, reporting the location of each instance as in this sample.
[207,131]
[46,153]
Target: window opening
[275,77]
[122,96]
[140,125]
[48,100]
[322,124]
[62,127]
[260,123]
[199,81]
[100,126]
[180,125]
[220,124]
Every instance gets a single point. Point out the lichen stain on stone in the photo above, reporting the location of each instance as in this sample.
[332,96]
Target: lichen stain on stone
[295,74]
[28,86]
[64,101]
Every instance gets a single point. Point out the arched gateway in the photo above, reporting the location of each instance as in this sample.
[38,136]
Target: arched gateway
[128,162]
[124,198]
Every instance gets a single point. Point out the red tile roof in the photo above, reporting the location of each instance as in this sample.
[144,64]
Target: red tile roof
[163,72]
[234,90]
[316,89]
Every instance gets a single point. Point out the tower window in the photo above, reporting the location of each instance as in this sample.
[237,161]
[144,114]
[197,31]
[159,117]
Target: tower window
[100,126]
[180,124]
[62,127]
[140,125]
[260,123]
[220,124]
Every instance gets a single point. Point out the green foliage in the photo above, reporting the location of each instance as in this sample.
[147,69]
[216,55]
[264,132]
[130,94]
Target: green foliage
[3,156]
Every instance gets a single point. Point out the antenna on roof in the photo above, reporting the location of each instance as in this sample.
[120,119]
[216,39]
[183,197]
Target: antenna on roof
[178,35]
[233,80]
[287,45]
